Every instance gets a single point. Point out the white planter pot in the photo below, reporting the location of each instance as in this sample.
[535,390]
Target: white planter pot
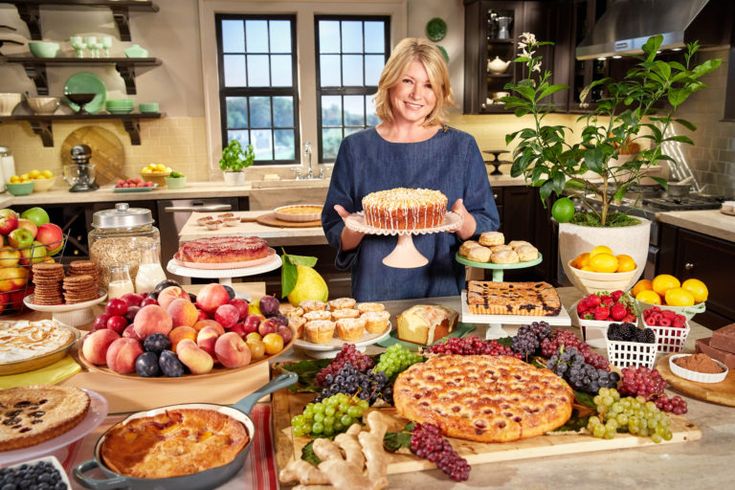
[234,178]
[630,240]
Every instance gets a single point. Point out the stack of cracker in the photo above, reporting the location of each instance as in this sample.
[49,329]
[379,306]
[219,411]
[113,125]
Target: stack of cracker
[78,289]
[85,268]
[47,279]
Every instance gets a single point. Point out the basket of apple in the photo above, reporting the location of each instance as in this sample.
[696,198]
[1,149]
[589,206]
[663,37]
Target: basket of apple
[25,239]
[172,333]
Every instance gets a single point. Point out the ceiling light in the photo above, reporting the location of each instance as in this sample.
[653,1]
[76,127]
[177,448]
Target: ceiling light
[601,58]
[617,57]
[676,49]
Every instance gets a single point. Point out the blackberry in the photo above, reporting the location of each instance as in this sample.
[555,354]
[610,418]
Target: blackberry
[649,336]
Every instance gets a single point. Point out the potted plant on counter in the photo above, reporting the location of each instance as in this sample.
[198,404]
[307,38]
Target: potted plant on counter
[628,116]
[234,161]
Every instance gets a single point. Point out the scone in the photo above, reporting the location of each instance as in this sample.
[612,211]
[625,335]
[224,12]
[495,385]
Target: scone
[466,246]
[365,307]
[519,243]
[319,331]
[345,313]
[313,305]
[287,309]
[527,253]
[479,254]
[317,315]
[498,248]
[351,329]
[376,321]
[505,257]
[341,303]
[297,325]
[490,238]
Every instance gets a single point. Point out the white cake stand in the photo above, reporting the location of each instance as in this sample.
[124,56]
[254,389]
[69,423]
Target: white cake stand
[74,315]
[405,255]
[225,275]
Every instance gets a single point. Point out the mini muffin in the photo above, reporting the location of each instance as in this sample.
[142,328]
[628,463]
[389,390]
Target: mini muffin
[313,305]
[519,243]
[490,238]
[505,257]
[317,315]
[498,248]
[319,331]
[376,321]
[345,313]
[342,303]
[287,309]
[365,307]
[297,325]
[466,246]
[351,329]
[479,254]
[527,253]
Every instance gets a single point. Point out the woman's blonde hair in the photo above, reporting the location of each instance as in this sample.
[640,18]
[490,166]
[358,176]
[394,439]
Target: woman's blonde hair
[407,51]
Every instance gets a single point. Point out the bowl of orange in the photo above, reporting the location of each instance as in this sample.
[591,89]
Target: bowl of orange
[668,293]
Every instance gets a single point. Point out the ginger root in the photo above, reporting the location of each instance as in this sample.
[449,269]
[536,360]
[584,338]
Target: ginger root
[372,447]
[303,472]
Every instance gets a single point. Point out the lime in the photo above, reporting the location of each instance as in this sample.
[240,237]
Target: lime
[563,210]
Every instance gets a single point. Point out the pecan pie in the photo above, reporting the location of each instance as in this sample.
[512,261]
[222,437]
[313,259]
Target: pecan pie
[223,249]
[513,298]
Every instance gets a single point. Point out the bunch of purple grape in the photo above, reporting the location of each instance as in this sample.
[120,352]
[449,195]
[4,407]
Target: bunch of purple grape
[427,442]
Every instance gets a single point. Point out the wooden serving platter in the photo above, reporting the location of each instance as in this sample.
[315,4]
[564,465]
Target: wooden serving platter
[287,405]
[269,219]
[721,393]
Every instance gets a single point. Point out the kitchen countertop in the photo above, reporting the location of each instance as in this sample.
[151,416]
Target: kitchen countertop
[708,222]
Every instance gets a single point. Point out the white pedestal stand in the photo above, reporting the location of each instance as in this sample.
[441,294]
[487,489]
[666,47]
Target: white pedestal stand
[224,276]
[73,315]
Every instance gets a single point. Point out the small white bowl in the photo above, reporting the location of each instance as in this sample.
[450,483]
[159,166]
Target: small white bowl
[695,376]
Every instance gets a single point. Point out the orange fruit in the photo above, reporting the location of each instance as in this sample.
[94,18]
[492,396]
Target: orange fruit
[581,260]
[679,297]
[642,285]
[603,262]
[697,288]
[648,296]
[662,282]
[588,268]
[600,249]
[626,263]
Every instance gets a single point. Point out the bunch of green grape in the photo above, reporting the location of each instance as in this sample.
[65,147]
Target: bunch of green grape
[330,416]
[629,414]
[396,359]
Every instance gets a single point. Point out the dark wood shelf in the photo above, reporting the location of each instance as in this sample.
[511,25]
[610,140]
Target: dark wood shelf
[35,68]
[499,75]
[494,109]
[42,125]
[500,41]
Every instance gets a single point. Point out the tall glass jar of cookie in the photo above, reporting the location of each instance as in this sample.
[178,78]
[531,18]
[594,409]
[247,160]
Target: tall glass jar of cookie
[118,237]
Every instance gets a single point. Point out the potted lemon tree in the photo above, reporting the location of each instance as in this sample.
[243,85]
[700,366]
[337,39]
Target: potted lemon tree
[234,161]
[620,139]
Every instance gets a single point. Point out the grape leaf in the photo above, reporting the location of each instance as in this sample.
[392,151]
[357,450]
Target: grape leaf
[307,454]
[307,371]
[585,399]
[393,441]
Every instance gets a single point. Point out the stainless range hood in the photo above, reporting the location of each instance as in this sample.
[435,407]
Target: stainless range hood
[627,24]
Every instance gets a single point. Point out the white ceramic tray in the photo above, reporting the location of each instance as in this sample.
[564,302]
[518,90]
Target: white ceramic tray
[323,351]
[561,320]
[223,274]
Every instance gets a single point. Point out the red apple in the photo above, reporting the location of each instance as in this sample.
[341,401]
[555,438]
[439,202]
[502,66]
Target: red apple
[52,237]
[28,225]
[132,299]
[242,307]
[8,221]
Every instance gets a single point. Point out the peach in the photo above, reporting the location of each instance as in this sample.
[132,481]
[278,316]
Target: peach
[232,351]
[96,344]
[196,359]
[152,319]
[207,337]
[209,323]
[181,333]
[211,297]
[182,312]
[227,315]
[129,333]
[121,355]
[169,294]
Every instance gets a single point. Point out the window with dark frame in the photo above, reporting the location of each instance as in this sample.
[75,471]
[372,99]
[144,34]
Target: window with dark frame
[257,85]
[350,54]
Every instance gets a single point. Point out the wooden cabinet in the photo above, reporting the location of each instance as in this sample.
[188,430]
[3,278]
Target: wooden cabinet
[686,254]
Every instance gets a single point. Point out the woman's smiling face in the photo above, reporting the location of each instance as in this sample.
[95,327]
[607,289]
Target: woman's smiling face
[412,99]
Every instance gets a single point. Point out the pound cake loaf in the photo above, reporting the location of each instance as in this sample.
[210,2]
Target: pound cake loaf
[405,209]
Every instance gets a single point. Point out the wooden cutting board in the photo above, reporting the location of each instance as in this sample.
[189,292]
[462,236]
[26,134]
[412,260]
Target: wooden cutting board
[287,405]
[108,153]
[270,219]
[720,393]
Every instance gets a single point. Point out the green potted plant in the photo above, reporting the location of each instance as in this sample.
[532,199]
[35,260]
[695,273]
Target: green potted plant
[621,138]
[234,161]
[175,180]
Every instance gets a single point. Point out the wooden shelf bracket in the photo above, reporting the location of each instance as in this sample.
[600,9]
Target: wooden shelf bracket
[44,129]
[30,14]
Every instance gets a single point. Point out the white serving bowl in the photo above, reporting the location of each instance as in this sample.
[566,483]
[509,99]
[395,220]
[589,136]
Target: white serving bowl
[594,282]
[43,105]
[696,376]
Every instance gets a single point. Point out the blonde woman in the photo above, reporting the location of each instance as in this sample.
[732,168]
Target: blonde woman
[411,147]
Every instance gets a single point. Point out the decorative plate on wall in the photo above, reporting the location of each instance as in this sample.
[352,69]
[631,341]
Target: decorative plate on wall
[436,29]
[444,53]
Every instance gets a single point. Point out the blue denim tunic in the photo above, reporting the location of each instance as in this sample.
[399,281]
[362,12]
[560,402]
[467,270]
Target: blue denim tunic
[449,162]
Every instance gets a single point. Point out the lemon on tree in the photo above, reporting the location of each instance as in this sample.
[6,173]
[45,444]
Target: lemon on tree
[299,280]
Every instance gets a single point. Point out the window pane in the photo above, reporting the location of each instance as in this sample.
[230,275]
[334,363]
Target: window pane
[331,138]
[285,149]
[280,36]
[256,34]
[331,110]
[375,37]
[351,37]
[354,110]
[262,144]
[237,112]
[329,70]
[235,71]
[258,70]
[373,67]
[281,70]
[372,118]
[233,36]
[283,112]
[241,136]
[260,112]
[352,71]
[328,36]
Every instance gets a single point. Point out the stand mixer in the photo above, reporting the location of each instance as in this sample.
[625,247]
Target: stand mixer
[80,175]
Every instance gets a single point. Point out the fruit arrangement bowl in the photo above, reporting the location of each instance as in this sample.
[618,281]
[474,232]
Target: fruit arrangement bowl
[20,189]
[687,311]
[594,282]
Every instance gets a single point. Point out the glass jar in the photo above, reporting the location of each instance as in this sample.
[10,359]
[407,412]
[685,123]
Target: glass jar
[120,283]
[119,236]
[150,272]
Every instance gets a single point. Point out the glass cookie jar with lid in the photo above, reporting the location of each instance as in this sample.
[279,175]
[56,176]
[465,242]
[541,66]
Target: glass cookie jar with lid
[122,236]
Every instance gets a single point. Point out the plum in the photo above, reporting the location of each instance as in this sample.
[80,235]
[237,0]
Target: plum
[146,365]
[170,364]
[230,291]
[116,307]
[157,343]
[163,285]
[280,320]
[148,301]
[269,306]
[132,311]
[193,298]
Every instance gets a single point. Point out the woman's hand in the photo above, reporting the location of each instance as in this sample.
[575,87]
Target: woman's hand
[350,239]
[469,225]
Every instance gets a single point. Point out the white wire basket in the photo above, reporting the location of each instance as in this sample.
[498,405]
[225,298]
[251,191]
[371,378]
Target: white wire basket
[624,354]
[669,339]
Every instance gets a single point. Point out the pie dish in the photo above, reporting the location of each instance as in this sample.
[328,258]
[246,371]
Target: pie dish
[26,345]
[513,298]
[299,213]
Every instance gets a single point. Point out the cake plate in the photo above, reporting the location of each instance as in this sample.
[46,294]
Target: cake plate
[405,255]
[73,315]
[225,275]
[498,268]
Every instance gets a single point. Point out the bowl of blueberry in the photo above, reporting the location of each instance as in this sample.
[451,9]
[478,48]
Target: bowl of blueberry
[42,473]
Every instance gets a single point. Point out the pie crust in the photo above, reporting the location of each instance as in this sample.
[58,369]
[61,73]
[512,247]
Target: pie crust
[513,298]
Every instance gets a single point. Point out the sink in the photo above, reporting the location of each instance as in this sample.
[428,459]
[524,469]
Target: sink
[292,183]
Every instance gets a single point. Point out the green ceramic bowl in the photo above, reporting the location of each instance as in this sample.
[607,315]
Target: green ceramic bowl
[148,107]
[22,189]
[119,104]
[43,49]
[175,182]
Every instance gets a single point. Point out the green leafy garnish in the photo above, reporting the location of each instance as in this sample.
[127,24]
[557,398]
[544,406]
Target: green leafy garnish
[393,441]
[306,371]
[289,273]
[307,454]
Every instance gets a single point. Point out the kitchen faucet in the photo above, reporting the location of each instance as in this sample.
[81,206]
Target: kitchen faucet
[310,172]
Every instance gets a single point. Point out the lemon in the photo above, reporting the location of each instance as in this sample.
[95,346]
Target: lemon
[604,262]
[697,288]
[14,179]
[679,297]
[35,174]
[648,296]
[663,282]
[625,263]
[47,174]
[601,249]
[309,285]
[26,176]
